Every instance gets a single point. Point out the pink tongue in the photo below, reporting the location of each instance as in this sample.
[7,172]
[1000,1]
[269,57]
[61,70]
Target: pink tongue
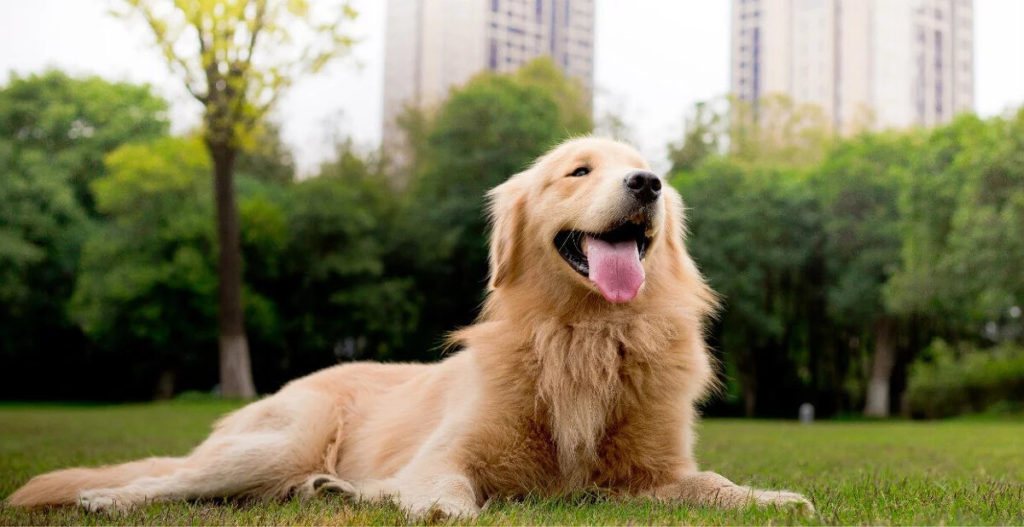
[615,268]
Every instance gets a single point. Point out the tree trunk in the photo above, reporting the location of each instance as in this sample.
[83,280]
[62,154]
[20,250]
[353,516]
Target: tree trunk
[748,385]
[749,399]
[164,385]
[235,370]
[877,401]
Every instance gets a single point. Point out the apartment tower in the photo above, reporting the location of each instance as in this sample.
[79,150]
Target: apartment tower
[432,45]
[866,63]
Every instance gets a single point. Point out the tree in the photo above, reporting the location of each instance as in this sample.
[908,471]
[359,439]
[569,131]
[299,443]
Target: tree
[962,209]
[147,285]
[244,57]
[702,138]
[343,299]
[266,157]
[775,130]
[981,267]
[146,290]
[756,235]
[76,122]
[859,184]
[484,132]
[54,132]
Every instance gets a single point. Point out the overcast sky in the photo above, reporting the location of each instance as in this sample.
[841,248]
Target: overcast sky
[654,59]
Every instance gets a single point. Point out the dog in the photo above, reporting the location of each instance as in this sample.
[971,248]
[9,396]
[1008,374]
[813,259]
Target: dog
[582,373]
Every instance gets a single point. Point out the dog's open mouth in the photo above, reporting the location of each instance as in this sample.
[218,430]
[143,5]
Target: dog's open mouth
[610,259]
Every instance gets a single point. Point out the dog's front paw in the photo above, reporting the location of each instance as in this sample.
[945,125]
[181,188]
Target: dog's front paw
[783,499]
[324,485]
[104,500]
[440,510]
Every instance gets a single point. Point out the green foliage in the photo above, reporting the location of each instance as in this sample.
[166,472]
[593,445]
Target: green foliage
[316,287]
[267,158]
[858,184]
[344,301]
[38,226]
[777,131]
[769,302]
[927,203]
[146,276]
[949,380]
[489,129]
[148,280]
[702,139]
[54,132]
[236,57]
[835,258]
[337,266]
[963,210]
[74,123]
[816,244]
[246,53]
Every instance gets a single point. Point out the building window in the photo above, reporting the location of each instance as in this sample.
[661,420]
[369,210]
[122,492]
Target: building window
[553,27]
[493,60]
[494,5]
[756,88]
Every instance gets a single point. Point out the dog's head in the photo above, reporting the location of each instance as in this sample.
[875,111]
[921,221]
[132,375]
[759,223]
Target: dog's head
[588,216]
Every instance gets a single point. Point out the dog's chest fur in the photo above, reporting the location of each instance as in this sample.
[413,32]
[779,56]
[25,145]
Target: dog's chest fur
[586,405]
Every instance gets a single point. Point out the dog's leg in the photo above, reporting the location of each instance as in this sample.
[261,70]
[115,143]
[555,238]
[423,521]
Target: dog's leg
[432,488]
[425,498]
[324,485]
[708,489]
[200,483]
[182,484]
[269,449]
[225,465]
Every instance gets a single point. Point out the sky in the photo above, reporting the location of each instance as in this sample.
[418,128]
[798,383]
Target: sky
[653,60]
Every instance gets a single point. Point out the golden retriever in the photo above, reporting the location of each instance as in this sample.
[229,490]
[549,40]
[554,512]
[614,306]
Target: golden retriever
[581,373]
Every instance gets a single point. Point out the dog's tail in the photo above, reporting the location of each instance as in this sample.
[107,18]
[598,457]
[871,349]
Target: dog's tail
[62,487]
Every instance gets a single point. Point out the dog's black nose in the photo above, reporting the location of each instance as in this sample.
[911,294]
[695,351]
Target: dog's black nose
[643,185]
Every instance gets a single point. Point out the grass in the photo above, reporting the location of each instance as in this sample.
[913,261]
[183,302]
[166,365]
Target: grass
[949,472]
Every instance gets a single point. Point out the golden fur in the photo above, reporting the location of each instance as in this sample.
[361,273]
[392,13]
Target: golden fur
[555,389]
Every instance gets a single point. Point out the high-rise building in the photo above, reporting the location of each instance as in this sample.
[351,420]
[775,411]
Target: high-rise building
[866,63]
[432,45]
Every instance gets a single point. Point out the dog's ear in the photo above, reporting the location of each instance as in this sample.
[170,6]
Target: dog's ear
[507,203]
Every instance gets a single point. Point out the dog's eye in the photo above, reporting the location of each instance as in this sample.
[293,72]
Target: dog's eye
[580,172]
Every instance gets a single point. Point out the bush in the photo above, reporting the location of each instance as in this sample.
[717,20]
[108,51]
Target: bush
[951,381]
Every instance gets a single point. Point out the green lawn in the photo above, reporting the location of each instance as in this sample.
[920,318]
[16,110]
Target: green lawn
[953,472]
